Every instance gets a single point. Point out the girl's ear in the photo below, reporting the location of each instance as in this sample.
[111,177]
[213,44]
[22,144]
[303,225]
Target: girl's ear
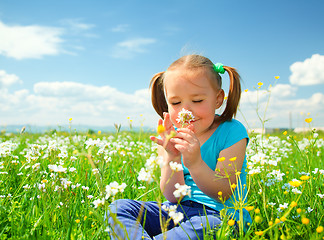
[220,98]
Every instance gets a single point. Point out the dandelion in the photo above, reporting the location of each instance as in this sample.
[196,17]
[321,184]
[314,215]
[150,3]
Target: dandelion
[298,210]
[277,77]
[232,159]
[160,129]
[185,117]
[233,186]
[283,218]
[220,193]
[277,221]
[259,233]
[258,219]
[295,183]
[260,84]
[249,208]
[231,222]
[304,177]
[77,220]
[319,229]
[308,120]
[305,220]
[221,159]
[285,133]
[293,204]
[246,90]
[257,210]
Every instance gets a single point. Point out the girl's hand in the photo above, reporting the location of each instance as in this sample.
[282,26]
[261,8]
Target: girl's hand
[188,145]
[164,141]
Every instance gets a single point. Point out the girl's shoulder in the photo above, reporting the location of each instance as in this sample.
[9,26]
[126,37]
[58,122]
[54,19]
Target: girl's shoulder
[228,133]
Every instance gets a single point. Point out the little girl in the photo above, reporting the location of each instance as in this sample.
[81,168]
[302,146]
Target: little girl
[211,149]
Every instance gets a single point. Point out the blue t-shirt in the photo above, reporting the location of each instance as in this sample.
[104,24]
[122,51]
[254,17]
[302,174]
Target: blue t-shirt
[227,134]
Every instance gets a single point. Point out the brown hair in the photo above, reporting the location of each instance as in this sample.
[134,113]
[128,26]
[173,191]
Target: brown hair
[193,62]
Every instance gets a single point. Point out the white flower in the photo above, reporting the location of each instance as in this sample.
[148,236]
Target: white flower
[98,202]
[296,191]
[56,168]
[72,169]
[309,210]
[283,206]
[176,216]
[95,171]
[145,176]
[320,195]
[177,167]
[113,188]
[181,190]
[185,117]
[89,196]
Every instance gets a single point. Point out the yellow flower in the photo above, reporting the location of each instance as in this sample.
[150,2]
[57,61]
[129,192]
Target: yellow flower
[283,218]
[221,159]
[220,193]
[308,120]
[260,84]
[319,229]
[90,212]
[44,181]
[285,133]
[305,220]
[298,210]
[295,183]
[276,77]
[160,129]
[77,220]
[85,217]
[277,221]
[233,186]
[293,204]
[258,219]
[259,233]
[99,132]
[225,98]
[304,177]
[249,208]
[246,90]
[257,210]
[231,222]
[232,159]
[270,223]
[70,119]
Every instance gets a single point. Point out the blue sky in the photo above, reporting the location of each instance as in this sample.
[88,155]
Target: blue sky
[92,61]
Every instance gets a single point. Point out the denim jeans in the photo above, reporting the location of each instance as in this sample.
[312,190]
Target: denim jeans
[130,219]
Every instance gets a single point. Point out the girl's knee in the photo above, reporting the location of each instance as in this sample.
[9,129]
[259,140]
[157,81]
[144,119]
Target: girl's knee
[119,205]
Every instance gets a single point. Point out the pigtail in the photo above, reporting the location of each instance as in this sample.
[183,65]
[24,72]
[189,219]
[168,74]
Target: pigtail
[234,95]
[157,94]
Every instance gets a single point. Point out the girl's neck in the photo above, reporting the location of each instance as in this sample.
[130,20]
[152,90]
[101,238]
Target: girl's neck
[204,136]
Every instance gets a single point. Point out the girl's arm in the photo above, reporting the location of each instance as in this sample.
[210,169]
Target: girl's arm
[168,177]
[169,154]
[212,182]
[209,181]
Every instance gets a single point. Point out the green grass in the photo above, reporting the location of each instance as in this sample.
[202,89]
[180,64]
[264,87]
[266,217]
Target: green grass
[37,203]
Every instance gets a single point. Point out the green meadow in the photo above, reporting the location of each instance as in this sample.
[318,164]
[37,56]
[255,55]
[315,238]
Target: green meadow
[58,185]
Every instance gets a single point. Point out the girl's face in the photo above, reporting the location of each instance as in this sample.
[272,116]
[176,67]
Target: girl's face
[193,91]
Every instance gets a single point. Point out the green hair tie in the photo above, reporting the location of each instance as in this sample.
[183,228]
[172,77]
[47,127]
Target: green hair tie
[219,68]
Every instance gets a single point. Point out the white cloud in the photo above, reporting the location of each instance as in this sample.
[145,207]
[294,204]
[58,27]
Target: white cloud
[308,72]
[127,49]
[76,24]
[31,41]
[120,28]
[282,109]
[53,103]
[7,80]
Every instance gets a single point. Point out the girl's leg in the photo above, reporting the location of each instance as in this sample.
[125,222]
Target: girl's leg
[194,226]
[130,219]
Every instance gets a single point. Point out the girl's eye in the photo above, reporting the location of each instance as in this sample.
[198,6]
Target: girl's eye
[197,101]
[175,103]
